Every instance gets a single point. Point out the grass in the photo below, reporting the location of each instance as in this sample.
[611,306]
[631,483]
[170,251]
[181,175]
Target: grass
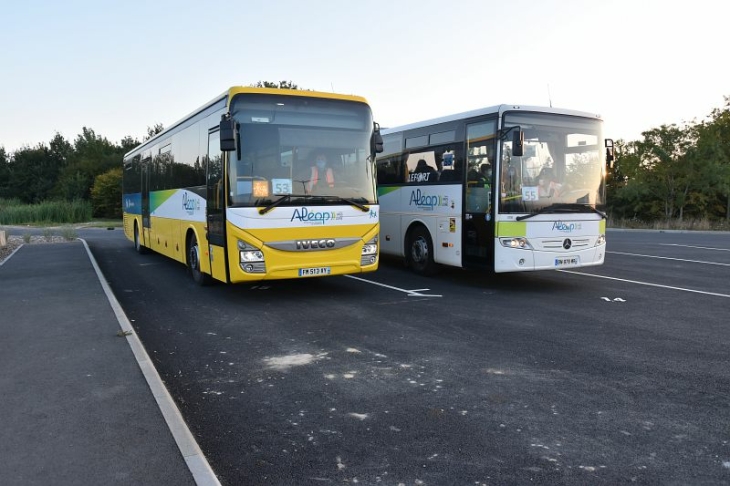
[692,224]
[13,212]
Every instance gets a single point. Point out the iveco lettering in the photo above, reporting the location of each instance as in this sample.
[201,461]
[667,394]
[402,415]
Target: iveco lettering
[315,244]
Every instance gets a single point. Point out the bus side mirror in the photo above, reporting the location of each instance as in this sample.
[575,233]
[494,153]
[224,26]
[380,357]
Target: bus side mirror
[227,133]
[376,141]
[610,153]
[518,142]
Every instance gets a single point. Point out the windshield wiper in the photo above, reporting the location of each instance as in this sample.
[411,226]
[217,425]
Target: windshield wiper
[287,197]
[564,208]
[356,204]
[284,197]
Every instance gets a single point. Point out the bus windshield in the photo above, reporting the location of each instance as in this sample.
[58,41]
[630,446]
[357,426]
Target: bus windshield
[562,164]
[294,150]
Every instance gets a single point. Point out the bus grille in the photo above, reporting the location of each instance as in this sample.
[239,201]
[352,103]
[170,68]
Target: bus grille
[556,244]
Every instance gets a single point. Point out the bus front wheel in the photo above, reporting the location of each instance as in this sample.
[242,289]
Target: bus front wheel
[199,277]
[419,252]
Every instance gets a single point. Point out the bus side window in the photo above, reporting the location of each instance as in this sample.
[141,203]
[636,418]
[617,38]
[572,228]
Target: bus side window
[422,168]
[390,171]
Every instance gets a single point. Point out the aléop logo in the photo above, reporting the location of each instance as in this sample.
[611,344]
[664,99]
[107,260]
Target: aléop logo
[304,215]
[427,201]
[190,204]
[566,227]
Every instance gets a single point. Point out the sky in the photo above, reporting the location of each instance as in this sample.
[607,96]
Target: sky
[119,67]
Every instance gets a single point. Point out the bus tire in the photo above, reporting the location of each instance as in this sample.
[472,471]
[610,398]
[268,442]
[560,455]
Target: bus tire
[193,262]
[419,252]
[137,241]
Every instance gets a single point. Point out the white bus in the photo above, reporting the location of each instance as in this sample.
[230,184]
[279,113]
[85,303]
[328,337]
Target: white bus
[506,188]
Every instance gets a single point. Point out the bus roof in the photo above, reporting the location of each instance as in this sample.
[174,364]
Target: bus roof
[235,90]
[488,111]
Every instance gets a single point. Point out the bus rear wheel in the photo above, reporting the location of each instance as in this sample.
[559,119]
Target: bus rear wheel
[419,252]
[193,252]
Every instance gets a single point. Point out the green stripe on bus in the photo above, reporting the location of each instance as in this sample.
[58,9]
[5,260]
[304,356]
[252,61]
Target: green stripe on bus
[386,190]
[511,228]
[159,197]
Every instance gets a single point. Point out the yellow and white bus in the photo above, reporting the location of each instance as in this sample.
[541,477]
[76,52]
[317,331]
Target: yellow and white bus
[229,189]
[505,188]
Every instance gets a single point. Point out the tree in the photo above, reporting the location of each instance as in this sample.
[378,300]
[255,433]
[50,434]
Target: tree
[623,188]
[279,85]
[705,174]
[106,194]
[92,155]
[664,173]
[152,131]
[4,171]
[32,174]
[60,150]
[713,143]
[128,143]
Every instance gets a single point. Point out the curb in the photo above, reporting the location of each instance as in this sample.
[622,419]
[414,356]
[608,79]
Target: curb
[197,463]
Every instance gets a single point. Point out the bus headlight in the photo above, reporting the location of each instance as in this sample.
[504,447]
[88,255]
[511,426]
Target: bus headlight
[601,240]
[516,242]
[369,252]
[251,258]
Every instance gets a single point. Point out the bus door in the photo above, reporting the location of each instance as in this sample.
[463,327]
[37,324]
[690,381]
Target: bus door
[215,208]
[146,168]
[478,227]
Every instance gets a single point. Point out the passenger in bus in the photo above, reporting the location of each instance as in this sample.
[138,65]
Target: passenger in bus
[455,174]
[485,175]
[547,183]
[424,172]
[321,175]
[472,176]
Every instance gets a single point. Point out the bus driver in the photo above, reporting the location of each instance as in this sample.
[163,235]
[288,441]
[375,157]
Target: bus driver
[321,175]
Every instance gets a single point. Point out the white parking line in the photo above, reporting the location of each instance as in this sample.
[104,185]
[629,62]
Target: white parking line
[669,258]
[411,293]
[715,294]
[698,247]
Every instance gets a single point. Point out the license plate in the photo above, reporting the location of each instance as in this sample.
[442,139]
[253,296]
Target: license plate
[567,262]
[313,272]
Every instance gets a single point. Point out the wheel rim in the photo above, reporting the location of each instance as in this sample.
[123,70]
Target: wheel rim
[194,257]
[419,250]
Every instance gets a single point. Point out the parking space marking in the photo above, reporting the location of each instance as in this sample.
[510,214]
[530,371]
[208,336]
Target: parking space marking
[670,258]
[411,293]
[714,294]
[697,247]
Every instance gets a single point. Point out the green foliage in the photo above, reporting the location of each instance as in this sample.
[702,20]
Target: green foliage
[279,85]
[152,131]
[15,212]
[31,174]
[92,155]
[674,173]
[72,185]
[68,233]
[4,171]
[106,194]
